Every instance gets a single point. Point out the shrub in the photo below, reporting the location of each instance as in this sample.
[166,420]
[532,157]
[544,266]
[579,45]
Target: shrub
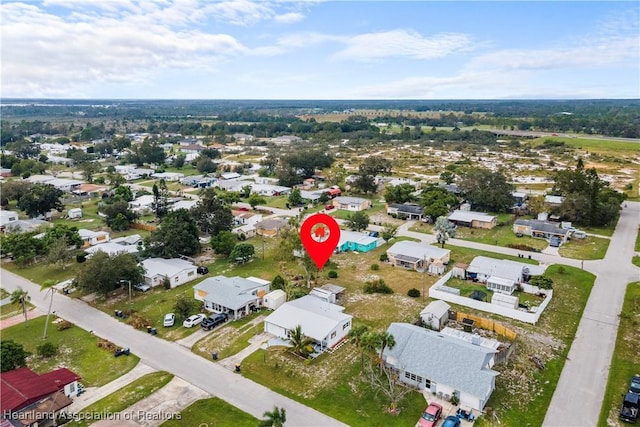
[81,257]
[384,257]
[138,321]
[561,270]
[47,349]
[375,267]
[65,324]
[166,283]
[543,282]
[107,345]
[332,274]
[377,287]
[413,293]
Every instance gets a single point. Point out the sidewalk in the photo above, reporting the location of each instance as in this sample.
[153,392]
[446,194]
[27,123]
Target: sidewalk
[18,318]
[93,394]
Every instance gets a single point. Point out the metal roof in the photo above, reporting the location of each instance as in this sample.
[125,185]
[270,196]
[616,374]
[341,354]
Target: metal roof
[470,216]
[413,251]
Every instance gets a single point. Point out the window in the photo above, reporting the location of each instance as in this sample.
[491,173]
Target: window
[346,325]
[191,273]
[176,279]
[72,387]
[333,334]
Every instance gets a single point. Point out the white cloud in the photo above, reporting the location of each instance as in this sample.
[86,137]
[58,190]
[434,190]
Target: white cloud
[407,43]
[289,18]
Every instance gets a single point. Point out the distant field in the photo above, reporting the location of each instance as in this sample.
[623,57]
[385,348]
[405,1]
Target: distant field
[596,145]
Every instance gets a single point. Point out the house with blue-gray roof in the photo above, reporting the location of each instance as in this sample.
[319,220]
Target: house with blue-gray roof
[234,296]
[443,364]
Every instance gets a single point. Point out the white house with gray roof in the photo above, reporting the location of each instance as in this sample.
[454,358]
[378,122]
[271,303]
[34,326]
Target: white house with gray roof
[177,271]
[235,296]
[473,219]
[442,364]
[501,275]
[320,320]
[353,204]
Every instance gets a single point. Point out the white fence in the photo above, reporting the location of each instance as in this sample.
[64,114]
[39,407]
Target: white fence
[436,292]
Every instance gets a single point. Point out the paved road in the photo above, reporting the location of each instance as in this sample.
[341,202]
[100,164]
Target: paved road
[172,357]
[578,397]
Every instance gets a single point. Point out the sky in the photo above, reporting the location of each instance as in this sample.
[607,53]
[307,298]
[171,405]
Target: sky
[241,49]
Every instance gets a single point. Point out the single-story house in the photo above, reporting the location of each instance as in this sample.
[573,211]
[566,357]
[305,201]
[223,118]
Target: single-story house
[91,190]
[25,392]
[142,204]
[270,190]
[5,172]
[168,176]
[243,137]
[191,148]
[235,296]
[393,182]
[183,204]
[25,225]
[7,217]
[67,185]
[442,364]
[417,256]
[406,211]
[311,196]
[274,299]
[473,219]
[266,180]
[245,217]
[320,320]
[553,200]
[351,203]
[356,241]
[247,230]
[57,160]
[328,292]
[482,268]
[91,238]
[112,248]
[177,270]
[285,139]
[230,176]
[435,315]
[519,197]
[130,240]
[198,181]
[540,229]
[270,227]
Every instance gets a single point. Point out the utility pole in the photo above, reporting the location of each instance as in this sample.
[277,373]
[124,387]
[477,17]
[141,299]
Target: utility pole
[129,282]
[424,275]
[46,323]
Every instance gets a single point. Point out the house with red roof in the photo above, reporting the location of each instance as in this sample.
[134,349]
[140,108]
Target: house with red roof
[32,399]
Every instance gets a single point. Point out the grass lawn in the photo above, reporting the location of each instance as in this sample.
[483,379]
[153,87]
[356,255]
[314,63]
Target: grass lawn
[466,255]
[602,231]
[77,350]
[422,227]
[595,145]
[637,247]
[331,385]
[589,248]
[229,339]
[10,310]
[498,236]
[626,360]
[523,393]
[4,293]
[636,260]
[212,412]
[126,396]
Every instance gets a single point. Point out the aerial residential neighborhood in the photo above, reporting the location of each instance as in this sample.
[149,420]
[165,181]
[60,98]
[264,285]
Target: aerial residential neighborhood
[242,213]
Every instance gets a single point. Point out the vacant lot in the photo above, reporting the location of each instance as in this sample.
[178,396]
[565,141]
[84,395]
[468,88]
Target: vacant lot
[77,350]
[212,412]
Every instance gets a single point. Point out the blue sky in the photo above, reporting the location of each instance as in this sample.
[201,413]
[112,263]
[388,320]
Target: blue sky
[198,49]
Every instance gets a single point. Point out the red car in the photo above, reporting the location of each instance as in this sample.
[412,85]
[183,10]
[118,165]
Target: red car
[430,416]
[329,207]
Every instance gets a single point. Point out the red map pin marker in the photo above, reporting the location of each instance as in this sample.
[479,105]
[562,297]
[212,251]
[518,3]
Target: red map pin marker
[320,234]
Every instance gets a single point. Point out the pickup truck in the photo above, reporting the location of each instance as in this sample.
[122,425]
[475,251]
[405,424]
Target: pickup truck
[629,410]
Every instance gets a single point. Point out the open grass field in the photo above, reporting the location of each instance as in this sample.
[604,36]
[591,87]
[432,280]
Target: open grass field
[77,350]
[626,358]
[590,248]
[212,412]
[125,397]
[501,235]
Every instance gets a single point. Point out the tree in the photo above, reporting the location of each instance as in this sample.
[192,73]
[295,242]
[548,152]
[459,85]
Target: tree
[386,381]
[184,306]
[179,160]
[436,201]
[69,233]
[356,333]
[444,230]
[301,344]
[278,282]
[123,192]
[13,190]
[543,282]
[358,221]
[177,234]
[206,165]
[23,247]
[448,177]
[242,253]
[535,205]
[24,149]
[212,214]
[487,190]
[246,190]
[59,253]
[19,297]
[365,184]
[89,168]
[40,199]
[224,242]
[275,418]
[102,272]
[160,204]
[12,355]
[295,198]
[118,215]
[399,193]
[389,231]
[255,200]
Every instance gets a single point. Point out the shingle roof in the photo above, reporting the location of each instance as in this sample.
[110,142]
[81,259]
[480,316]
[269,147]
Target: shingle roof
[350,200]
[442,359]
[405,207]
[165,267]
[544,226]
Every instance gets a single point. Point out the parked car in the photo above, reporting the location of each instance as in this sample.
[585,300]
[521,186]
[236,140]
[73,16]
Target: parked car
[213,321]
[634,385]
[329,207]
[451,421]
[430,416]
[169,319]
[193,320]
[630,407]
[555,242]
[142,287]
[202,270]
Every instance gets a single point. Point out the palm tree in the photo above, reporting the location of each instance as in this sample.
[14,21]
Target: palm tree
[299,341]
[386,341]
[48,286]
[275,418]
[444,230]
[20,297]
[357,333]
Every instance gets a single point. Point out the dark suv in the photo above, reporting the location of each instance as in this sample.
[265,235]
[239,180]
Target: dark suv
[213,321]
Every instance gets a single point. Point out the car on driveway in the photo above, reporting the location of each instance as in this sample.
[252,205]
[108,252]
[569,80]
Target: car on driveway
[634,385]
[213,321]
[451,421]
[142,287]
[329,207]
[430,416]
[169,319]
[193,320]
[202,270]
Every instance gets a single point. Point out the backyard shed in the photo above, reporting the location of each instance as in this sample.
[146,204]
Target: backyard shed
[74,213]
[435,315]
[275,299]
